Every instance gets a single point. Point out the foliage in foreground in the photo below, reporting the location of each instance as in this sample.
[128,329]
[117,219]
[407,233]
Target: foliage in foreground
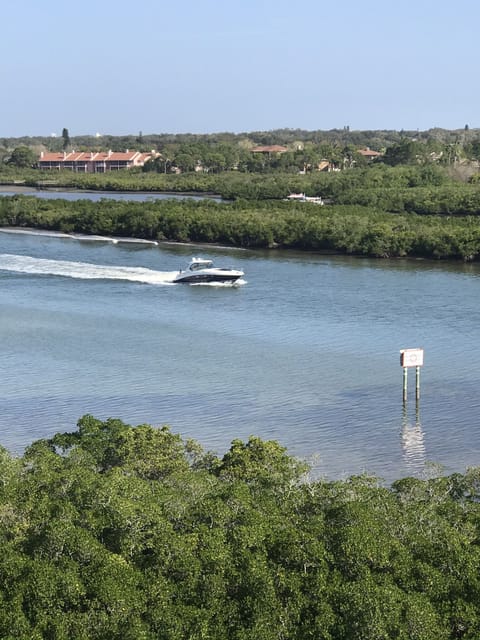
[124,532]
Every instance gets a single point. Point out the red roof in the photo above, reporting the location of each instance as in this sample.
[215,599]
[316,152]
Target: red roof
[273,148]
[369,153]
[93,156]
[119,155]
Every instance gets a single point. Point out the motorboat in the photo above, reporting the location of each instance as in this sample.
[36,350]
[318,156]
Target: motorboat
[202,270]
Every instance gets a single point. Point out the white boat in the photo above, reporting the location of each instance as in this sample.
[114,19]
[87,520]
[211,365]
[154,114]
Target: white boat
[301,197]
[203,270]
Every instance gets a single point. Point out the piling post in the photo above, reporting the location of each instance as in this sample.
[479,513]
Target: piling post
[411,358]
[405,384]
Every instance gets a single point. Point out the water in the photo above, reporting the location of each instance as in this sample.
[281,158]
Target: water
[95,196]
[305,351]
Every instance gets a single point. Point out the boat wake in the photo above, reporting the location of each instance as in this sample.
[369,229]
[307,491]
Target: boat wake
[77,236]
[83,270]
[229,285]
[87,271]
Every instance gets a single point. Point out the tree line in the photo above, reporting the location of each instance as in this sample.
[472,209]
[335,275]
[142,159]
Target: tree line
[264,224]
[350,185]
[304,151]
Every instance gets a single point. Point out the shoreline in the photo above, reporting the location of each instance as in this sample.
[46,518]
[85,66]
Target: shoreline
[207,246]
[21,188]
[77,236]
[26,189]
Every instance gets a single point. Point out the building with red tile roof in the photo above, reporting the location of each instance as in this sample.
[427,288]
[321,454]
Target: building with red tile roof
[368,153]
[269,149]
[93,161]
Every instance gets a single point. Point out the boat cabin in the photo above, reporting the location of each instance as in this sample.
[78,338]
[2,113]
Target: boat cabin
[199,263]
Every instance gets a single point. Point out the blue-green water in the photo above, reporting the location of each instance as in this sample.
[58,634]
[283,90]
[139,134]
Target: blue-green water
[306,351]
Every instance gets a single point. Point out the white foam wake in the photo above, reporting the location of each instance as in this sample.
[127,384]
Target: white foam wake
[237,283]
[83,270]
[77,236]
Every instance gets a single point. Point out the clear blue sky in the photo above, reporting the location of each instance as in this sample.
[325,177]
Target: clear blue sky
[120,67]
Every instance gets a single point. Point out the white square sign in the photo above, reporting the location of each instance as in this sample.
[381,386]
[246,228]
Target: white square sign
[411,357]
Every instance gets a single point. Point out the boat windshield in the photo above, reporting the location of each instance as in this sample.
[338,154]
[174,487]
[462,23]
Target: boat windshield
[195,266]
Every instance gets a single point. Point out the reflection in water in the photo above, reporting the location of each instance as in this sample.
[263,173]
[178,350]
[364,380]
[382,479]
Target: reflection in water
[413,445]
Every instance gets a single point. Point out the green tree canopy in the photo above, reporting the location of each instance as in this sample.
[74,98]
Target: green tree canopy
[65,139]
[23,157]
[127,533]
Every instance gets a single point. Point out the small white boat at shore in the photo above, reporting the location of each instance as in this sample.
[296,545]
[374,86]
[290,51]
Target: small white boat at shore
[301,197]
[202,270]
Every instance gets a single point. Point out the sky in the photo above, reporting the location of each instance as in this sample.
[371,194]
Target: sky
[121,67]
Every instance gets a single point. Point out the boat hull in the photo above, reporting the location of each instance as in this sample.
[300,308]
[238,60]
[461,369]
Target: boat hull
[207,277]
[201,270]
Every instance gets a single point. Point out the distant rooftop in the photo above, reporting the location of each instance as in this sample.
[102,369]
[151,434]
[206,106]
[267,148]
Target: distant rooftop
[273,148]
[368,153]
[93,161]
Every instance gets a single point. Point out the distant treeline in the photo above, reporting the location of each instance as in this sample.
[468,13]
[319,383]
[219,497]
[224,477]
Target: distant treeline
[425,190]
[131,533]
[375,211]
[373,138]
[282,151]
[347,229]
